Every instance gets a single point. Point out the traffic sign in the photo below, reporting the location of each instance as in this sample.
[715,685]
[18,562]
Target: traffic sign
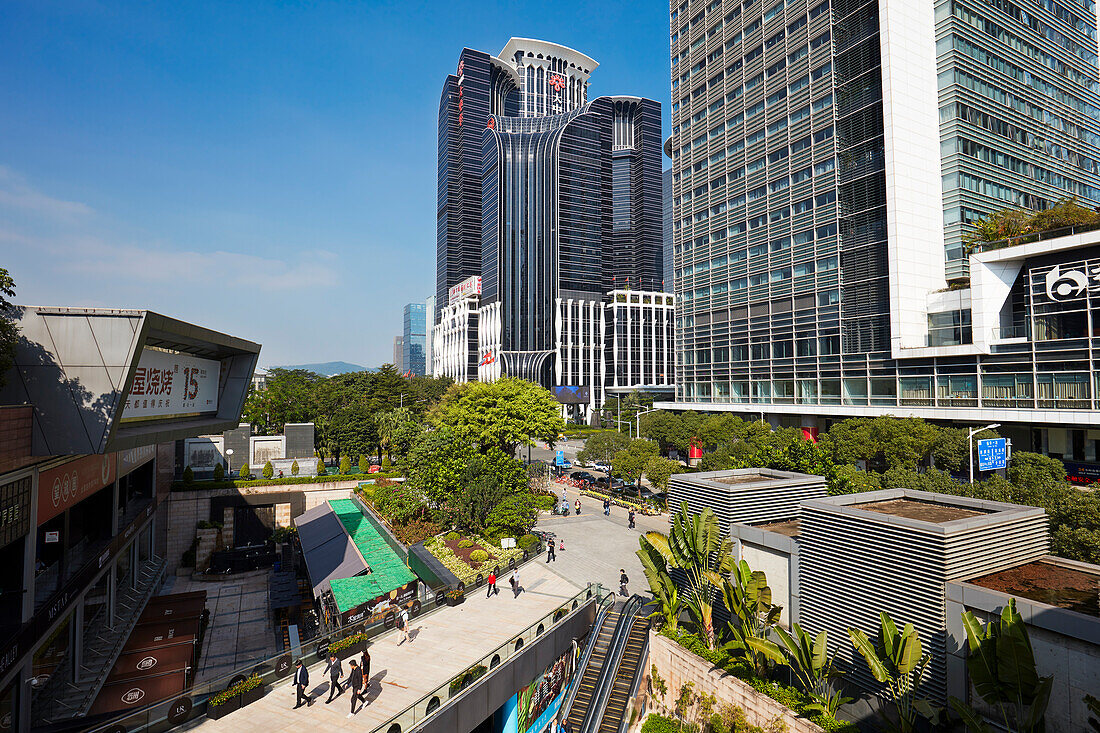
[992,454]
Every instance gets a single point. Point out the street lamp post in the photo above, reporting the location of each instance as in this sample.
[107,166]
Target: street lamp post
[229,459]
[638,418]
[970,444]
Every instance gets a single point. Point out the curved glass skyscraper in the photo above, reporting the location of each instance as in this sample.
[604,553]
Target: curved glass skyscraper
[563,197]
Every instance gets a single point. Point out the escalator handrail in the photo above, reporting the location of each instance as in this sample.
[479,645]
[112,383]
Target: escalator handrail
[639,674]
[601,616]
[594,714]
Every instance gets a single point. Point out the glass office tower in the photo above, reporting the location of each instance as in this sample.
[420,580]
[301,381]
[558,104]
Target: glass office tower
[414,341]
[568,196]
[825,156]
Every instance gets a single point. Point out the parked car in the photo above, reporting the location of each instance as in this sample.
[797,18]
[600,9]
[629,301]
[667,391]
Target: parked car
[582,476]
[582,464]
[602,467]
[613,485]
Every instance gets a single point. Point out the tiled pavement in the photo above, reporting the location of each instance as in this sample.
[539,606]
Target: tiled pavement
[241,627]
[444,644]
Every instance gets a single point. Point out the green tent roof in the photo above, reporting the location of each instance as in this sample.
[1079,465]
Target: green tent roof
[388,570]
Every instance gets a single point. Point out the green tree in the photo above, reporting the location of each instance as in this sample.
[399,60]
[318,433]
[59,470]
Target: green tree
[752,617]
[696,546]
[997,225]
[504,414]
[602,447]
[244,472]
[808,657]
[364,464]
[1002,669]
[436,466]
[269,470]
[897,661]
[286,397]
[629,464]
[345,465]
[494,495]
[659,470]
[321,467]
[188,476]
[9,331]
[219,471]
[294,469]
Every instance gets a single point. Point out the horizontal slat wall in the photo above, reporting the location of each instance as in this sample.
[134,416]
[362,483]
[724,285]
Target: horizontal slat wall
[756,503]
[852,566]
[850,569]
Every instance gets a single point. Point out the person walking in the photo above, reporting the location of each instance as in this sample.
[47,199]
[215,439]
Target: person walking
[550,551]
[301,682]
[404,616]
[355,681]
[607,507]
[623,580]
[630,516]
[577,506]
[492,583]
[335,672]
[364,664]
[516,587]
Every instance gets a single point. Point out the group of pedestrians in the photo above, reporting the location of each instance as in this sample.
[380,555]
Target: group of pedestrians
[491,583]
[358,679]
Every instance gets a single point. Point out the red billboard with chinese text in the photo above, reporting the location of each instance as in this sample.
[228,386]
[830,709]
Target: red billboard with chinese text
[70,483]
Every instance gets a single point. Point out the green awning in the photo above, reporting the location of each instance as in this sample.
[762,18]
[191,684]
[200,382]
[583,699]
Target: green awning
[388,570]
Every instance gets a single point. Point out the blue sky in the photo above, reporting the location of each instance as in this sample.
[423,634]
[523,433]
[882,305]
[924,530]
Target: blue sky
[264,169]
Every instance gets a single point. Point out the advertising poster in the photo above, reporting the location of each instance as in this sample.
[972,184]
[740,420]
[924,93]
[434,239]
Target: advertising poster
[202,454]
[166,384]
[385,607]
[537,701]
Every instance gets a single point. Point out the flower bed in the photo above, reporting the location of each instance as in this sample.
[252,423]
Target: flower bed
[639,508]
[457,559]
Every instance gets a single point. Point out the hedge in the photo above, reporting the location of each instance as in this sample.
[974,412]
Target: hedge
[660,724]
[238,484]
[639,508]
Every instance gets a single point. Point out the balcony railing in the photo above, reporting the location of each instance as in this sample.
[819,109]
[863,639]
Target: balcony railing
[1034,237]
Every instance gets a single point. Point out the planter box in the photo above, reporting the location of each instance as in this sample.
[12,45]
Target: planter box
[250,696]
[455,601]
[217,711]
[351,651]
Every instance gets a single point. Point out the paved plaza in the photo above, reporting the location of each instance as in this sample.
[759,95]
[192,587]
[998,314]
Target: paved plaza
[444,644]
[597,546]
[241,628]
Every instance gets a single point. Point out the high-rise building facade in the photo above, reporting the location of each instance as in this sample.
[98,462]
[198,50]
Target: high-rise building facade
[429,327]
[819,196]
[414,340]
[399,353]
[568,197]
[666,220]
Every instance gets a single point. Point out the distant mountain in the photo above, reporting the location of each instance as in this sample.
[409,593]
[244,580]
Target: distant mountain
[328,368]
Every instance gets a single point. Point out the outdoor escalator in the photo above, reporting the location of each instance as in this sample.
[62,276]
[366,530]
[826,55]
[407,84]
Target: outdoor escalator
[592,663]
[610,669]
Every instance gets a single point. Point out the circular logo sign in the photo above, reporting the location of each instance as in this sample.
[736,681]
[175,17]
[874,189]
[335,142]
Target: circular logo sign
[282,667]
[133,696]
[57,492]
[179,710]
[147,663]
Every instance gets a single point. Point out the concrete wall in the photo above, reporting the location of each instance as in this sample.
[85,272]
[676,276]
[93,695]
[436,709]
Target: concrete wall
[1066,645]
[677,665]
[187,508]
[776,566]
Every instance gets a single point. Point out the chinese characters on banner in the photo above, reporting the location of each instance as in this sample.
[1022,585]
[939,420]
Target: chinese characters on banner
[61,487]
[172,384]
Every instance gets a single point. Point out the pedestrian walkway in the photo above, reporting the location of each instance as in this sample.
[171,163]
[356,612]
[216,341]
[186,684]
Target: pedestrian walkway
[444,644]
[597,546]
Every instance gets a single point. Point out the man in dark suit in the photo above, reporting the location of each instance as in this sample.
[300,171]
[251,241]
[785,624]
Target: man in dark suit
[301,682]
[355,681]
[335,672]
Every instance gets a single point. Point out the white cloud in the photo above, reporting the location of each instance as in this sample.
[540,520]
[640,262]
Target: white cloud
[16,193]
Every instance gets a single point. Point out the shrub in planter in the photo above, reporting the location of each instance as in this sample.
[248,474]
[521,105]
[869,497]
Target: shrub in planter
[188,476]
[223,703]
[252,689]
[348,646]
[479,556]
[269,470]
[452,536]
[294,468]
[466,543]
[527,542]
[219,472]
[245,472]
[345,465]
[455,596]
[467,678]
[660,724]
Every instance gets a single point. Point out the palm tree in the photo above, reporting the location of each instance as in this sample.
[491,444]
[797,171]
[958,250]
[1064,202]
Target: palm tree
[695,545]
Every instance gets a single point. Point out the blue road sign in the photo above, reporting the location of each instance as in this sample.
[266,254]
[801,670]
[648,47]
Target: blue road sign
[992,454]
[559,459]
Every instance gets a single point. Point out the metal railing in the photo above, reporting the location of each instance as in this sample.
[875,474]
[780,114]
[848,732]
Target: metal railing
[154,718]
[606,604]
[1034,237]
[454,688]
[594,716]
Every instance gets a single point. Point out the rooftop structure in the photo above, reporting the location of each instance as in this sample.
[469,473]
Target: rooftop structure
[894,550]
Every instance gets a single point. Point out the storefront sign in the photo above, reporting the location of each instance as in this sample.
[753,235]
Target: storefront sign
[52,537]
[468,287]
[128,460]
[66,485]
[172,384]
